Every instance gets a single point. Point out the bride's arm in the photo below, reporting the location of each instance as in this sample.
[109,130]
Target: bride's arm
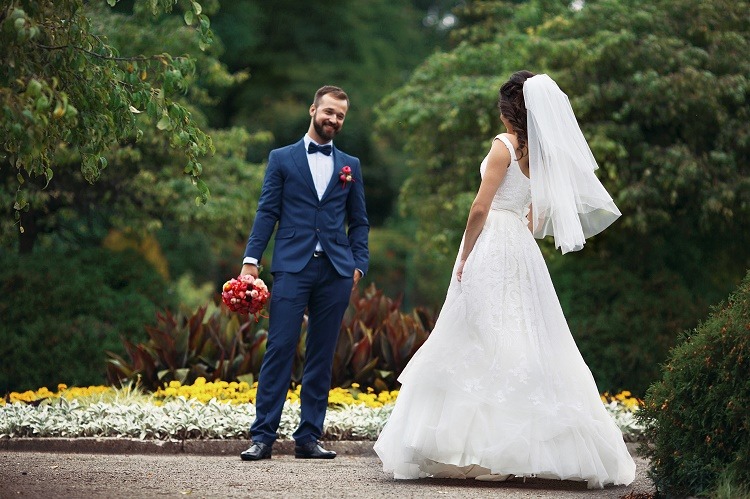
[497,166]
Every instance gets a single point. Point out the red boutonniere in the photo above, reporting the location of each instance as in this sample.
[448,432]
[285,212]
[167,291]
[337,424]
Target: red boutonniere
[346,176]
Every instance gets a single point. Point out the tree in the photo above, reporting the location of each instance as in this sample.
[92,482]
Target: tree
[102,293]
[68,94]
[662,94]
[142,189]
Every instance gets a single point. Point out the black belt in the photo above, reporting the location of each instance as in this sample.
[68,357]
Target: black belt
[318,254]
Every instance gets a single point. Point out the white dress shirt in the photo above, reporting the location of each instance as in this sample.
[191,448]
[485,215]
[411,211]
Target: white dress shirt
[321,169]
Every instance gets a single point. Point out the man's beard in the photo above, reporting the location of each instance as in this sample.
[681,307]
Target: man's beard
[321,131]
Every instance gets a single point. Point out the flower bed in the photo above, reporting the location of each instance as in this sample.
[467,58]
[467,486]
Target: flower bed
[220,410]
[623,408]
[242,393]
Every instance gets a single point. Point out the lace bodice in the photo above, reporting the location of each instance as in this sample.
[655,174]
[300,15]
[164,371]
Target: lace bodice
[514,193]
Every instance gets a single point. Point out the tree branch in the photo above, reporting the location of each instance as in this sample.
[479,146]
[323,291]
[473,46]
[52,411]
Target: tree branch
[107,57]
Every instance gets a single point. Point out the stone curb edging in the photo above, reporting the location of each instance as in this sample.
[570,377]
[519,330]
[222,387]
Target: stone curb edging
[91,445]
[103,445]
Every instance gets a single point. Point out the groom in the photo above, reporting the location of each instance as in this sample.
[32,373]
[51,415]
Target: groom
[313,191]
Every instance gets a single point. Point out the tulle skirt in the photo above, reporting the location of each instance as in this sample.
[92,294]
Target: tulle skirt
[500,388]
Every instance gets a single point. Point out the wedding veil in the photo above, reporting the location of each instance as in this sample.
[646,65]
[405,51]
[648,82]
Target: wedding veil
[568,200]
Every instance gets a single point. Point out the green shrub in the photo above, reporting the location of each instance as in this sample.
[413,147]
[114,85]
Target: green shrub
[697,418]
[61,311]
[625,316]
[191,252]
[376,341]
[391,265]
[728,487]
[623,325]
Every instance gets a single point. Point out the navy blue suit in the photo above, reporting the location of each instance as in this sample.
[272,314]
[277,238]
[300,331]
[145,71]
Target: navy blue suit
[320,285]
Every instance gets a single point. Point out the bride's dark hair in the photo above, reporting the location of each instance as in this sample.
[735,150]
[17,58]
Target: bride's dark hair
[511,104]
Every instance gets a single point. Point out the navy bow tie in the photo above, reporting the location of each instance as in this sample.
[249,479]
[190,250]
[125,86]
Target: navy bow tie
[313,148]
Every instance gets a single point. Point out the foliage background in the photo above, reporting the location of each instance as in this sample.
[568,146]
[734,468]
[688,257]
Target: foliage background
[660,90]
[61,318]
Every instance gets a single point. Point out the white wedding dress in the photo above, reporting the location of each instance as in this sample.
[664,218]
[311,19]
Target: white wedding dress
[500,388]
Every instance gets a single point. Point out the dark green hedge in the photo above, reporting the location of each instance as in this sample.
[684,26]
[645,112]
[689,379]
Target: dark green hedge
[626,313]
[61,311]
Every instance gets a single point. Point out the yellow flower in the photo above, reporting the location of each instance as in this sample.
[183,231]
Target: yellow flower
[226,392]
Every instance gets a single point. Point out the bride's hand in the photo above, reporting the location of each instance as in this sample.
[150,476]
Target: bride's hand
[460,270]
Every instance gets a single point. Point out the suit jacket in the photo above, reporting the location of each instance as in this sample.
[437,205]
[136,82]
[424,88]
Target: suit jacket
[289,198]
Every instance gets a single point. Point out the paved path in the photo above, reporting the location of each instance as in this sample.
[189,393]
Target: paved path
[93,475]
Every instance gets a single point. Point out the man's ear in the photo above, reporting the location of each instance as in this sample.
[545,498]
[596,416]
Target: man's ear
[312,110]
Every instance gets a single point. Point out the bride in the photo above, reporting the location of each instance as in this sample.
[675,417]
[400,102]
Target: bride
[499,389]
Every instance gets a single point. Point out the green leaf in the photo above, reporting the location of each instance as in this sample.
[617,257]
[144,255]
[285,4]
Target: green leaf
[34,88]
[21,201]
[164,123]
[197,8]
[202,187]
[48,173]
[189,17]
[152,109]
[112,3]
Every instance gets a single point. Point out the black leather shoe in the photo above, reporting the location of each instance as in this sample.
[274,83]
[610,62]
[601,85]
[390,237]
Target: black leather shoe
[312,450]
[257,451]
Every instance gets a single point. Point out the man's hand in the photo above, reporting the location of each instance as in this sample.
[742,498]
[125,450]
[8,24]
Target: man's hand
[357,276]
[251,269]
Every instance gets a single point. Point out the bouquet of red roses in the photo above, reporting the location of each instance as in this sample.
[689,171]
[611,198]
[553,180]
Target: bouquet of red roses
[245,295]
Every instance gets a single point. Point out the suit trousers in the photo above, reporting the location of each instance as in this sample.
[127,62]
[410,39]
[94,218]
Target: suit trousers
[325,294]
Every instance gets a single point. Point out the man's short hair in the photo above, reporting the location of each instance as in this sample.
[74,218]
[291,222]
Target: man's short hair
[335,92]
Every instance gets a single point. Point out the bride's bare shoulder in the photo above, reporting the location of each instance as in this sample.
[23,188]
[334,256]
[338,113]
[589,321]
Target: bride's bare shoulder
[513,139]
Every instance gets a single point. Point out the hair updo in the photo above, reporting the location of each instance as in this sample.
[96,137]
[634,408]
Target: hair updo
[512,106]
